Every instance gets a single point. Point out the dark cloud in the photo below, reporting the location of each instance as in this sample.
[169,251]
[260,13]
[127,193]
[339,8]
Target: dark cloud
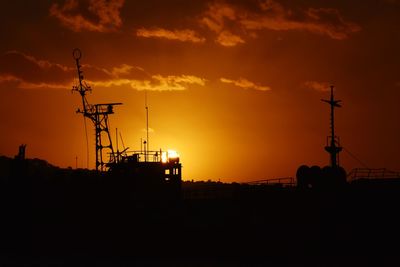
[29,72]
[324,21]
[106,12]
[233,23]
[31,69]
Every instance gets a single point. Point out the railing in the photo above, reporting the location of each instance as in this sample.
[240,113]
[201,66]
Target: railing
[365,173]
[284,181]
[146,156]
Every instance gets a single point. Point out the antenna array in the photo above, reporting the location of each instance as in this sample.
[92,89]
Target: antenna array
[98,114]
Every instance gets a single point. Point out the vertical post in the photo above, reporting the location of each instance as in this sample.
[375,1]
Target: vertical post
[116,140]
[333,145]
[147,125]
[145,149]
[332,148]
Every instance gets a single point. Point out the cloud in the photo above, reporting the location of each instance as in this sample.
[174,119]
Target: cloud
[122,70]
[324,21]
[217,18]
[226,38]
[217,14]
[246,84]
[156,83]
[33,69]
[4,78]
[8,78]
[29,72]
[179,35]
[44,64]
[317,86]
[43,85]
[233,24]
[107,13]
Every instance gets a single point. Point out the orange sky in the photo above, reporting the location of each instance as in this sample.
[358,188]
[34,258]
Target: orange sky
[233,86]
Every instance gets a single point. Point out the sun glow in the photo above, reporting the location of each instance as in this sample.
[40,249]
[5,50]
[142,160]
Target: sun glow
[169,154]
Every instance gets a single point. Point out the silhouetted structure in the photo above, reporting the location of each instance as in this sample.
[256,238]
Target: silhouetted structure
[21,152]
[333,147]
[98,114]
[329,177]
[148,174]
[55,216]
[151,174]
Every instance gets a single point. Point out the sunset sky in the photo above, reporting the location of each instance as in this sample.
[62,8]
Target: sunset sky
[233,86]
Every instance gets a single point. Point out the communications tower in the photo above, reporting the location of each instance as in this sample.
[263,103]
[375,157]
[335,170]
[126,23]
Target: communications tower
[333,143]
[98,114]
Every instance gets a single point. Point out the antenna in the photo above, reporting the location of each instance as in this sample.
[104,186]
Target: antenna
[116,141]
[98,114]
[333,147]
[147,124]
[116,137]
[123,145]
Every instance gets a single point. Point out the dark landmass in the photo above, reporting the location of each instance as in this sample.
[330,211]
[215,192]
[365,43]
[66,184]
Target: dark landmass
[55,216]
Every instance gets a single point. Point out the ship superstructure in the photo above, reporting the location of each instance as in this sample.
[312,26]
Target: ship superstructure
[158,173]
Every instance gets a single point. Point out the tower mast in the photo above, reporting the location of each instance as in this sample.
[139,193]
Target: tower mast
[333,147]
[98,114]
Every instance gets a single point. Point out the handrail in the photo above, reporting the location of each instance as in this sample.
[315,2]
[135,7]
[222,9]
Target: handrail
[366,173]
[285,181]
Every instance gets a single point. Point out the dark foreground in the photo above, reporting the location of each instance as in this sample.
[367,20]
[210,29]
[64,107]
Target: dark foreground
[82,221]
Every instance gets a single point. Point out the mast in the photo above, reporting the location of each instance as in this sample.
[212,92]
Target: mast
[333,147]
[98,114]
[147,125]
[82,88]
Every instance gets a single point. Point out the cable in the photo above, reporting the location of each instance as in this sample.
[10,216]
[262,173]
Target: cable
[357,159]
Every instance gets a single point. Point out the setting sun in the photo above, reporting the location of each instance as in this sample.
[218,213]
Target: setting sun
[169,154]
[143,131]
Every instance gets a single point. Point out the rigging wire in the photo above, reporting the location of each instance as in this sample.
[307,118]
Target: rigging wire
[355,158]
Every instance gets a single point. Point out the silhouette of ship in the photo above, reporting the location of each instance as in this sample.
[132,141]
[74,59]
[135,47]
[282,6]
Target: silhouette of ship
[149,174]
[134,209]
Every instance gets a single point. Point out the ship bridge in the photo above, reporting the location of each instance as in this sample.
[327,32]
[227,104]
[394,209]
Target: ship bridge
[157,172]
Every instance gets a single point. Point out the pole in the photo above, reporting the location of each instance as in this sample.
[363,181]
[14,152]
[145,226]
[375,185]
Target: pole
[332,148]
[147,125]
[333,145]
[116,139]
